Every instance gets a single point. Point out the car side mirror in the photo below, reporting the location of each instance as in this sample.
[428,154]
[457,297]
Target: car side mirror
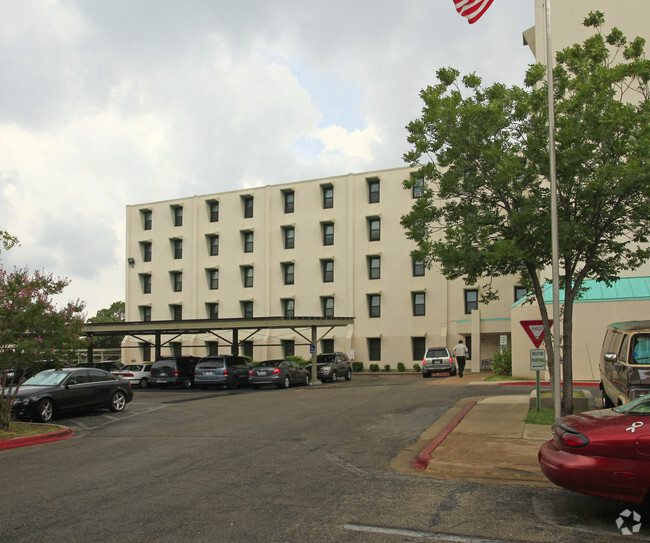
[610,357]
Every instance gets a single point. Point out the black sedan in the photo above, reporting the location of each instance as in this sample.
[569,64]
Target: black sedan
[55,391]
[281,373]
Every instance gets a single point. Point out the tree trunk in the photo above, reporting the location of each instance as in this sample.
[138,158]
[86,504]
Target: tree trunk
[567,355]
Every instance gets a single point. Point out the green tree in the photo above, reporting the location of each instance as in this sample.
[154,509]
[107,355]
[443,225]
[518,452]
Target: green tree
[34,333]
[485,209]
[114,313]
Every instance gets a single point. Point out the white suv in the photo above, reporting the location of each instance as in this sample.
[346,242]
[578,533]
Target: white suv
[438,360]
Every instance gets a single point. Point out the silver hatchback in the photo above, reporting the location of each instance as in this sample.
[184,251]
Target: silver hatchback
[438,360]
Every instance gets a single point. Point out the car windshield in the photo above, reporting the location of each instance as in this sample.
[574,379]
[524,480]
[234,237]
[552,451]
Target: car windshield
[211,364]
[436,353]
[325,358]
[47,378]
[640,406]
[271,363]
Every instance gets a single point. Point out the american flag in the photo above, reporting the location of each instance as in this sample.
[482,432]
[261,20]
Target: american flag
[472,10]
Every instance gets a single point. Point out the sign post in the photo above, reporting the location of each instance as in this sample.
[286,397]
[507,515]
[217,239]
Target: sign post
[537,364]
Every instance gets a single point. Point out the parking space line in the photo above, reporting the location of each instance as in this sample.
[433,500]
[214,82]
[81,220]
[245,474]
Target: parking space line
[419,533]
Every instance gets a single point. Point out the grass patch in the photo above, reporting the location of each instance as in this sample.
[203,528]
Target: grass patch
[544,416]
[26,429]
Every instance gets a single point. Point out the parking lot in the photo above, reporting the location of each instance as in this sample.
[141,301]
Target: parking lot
[302,464]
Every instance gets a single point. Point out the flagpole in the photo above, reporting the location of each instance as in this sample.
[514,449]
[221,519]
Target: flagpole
[555,262]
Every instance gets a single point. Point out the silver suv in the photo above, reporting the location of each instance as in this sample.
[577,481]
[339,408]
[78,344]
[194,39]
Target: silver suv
[438,360]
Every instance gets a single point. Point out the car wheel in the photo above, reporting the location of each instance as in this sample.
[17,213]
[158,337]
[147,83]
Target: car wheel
[187,382]
[286,383]
[307,380]
[44,410]
[453,372]
[256,387]
[234,384]
[607,403]
[348,375]
[144,383]
[118,401]
[334,377]
[425,375]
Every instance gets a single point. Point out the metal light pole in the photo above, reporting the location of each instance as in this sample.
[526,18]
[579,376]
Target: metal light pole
[555,263]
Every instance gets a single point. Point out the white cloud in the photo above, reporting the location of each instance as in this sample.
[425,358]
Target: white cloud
[106,104]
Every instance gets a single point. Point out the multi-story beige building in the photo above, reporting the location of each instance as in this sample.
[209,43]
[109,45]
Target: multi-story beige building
[317,248]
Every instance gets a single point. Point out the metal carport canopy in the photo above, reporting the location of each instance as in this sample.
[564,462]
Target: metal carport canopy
[199,326]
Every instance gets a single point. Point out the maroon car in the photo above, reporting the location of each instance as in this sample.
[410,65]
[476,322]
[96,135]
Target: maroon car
[603,453]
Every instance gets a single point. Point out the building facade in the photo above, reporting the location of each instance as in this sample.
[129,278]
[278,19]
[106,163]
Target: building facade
[324,247]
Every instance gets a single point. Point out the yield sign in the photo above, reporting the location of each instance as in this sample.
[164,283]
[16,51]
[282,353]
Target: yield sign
[535,331]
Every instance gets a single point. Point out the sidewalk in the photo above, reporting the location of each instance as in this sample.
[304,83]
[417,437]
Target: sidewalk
[480,439]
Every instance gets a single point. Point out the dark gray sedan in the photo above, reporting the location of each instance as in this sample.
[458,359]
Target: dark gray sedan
[281,373]
[54,391]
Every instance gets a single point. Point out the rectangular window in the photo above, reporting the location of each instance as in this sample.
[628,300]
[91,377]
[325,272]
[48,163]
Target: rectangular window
[374,228]
[146,216]
[327,345]
[212,348]
[145,313]
[328,233]
[213,210]
[288,270]
[374,267]
[177,247]
[146,283]
[374,349]
[212,310]
[288,308]
[373,190]
[176,312]
[247,309]
[288,347]
[374,306]
[145,247]
[418,187]
[247,240]
[288,200]
[145,351]
[213,278]
[247,201]
[289,237]
[177,281]
[418,304]
[213,244]
[328,196]
[327,303]
[520,292]
[418,348]
[418,268]
[327,267]
[178,215]
[471,300]
[247,276]
[247,346]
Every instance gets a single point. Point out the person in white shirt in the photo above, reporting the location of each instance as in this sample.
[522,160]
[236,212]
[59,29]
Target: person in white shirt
[461,353]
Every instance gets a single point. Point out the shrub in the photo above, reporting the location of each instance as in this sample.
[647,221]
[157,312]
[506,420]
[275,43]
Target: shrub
[401,367]
[357,366]
[299,360]
[386,367]
[416,367]
[374,367]
[502,363]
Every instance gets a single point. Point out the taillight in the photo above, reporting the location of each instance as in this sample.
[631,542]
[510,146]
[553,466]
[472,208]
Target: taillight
[225,372]
[276,371]
[451,360]
[126,374]
[568,436]
[250,372]
[175,373]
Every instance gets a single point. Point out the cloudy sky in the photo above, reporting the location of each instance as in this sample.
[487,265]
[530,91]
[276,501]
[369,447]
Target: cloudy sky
[106,103]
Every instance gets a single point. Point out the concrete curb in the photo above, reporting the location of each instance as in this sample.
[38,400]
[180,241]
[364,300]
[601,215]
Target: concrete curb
[421,461]
[39,439]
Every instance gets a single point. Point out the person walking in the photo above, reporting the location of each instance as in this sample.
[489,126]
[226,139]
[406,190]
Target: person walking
[461,353]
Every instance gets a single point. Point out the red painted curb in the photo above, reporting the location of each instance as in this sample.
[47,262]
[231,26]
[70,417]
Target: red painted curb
[421,461]
[546,383]
[64,433]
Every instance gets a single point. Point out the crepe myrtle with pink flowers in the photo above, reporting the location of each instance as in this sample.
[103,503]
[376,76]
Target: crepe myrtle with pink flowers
[34,332]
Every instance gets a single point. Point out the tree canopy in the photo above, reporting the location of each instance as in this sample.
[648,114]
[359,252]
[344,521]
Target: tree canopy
[483,152]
